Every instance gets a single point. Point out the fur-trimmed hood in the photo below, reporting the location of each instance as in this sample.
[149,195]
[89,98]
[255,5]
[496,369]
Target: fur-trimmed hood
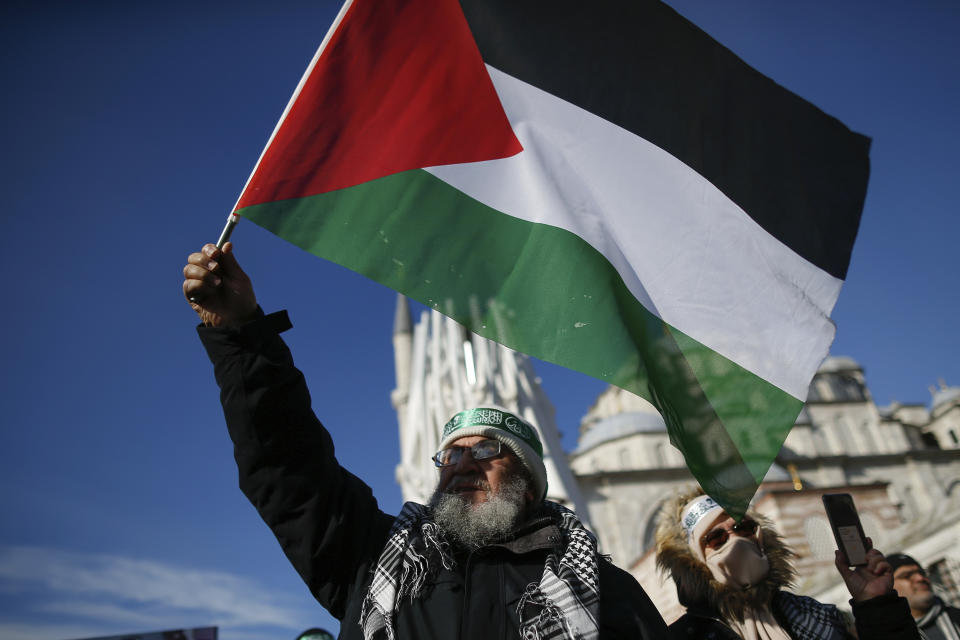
[696,586]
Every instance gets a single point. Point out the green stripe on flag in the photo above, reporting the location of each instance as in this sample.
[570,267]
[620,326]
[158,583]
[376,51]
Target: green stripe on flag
[544,291]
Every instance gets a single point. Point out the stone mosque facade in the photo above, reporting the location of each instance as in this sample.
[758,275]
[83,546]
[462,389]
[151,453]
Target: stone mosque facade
[901,463]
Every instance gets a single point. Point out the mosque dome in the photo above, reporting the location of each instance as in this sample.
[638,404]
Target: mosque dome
[621,425]
[944,396]
[836,364]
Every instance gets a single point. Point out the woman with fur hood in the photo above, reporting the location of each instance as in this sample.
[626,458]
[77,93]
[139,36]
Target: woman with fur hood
[732,579]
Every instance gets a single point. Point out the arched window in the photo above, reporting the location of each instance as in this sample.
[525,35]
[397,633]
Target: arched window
[650,530]
[872,528]
[819,537]
[660,455]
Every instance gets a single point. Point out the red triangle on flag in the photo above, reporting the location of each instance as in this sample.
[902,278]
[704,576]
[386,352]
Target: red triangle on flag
[399,86]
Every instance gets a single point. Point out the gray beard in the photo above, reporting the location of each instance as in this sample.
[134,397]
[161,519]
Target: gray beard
[477,525]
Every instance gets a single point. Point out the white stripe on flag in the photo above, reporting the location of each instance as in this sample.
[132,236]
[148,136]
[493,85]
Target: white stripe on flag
[687,252]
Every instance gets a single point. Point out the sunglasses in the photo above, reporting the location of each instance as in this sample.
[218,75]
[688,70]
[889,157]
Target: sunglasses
[719,536]
[481,451]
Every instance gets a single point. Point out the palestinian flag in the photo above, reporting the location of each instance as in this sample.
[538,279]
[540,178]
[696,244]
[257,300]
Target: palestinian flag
[600,185]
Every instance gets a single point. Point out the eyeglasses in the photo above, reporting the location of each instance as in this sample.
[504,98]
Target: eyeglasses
[719,536]
[481,451]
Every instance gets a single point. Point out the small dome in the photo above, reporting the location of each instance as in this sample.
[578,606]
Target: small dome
[836,364]
[944,396]
[888,410]
[619,426]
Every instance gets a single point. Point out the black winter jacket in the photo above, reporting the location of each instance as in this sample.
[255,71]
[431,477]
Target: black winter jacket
[332,531]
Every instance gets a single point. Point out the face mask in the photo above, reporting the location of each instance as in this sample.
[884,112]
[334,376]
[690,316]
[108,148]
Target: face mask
[739,562]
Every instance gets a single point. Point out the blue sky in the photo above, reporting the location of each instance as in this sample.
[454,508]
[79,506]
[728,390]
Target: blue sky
[128,131]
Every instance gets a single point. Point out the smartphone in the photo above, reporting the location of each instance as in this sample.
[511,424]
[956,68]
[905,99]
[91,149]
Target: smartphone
[847,529]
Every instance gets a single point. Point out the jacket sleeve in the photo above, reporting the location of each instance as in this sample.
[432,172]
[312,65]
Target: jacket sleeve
[626,610]
[885,617]
[325,518]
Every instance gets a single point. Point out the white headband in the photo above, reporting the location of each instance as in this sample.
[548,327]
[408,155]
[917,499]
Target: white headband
[695,511]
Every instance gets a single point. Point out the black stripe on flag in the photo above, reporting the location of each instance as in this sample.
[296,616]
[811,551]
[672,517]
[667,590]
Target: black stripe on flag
[799,173]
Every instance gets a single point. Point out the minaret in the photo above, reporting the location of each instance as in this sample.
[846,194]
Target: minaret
[402,355]
[442,369]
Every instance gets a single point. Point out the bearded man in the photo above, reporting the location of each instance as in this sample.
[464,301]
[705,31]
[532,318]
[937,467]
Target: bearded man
[732,578]
[488,557]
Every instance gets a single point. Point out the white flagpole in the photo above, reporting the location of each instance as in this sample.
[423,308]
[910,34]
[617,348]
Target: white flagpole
[232,220]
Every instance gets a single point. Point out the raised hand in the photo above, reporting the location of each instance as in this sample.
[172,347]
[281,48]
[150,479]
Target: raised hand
[868,581]
[217,288]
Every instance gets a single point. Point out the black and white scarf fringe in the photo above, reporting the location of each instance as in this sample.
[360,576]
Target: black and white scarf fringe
[565,603]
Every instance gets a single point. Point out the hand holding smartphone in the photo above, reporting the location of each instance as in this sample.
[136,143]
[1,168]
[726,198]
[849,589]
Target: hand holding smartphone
[847,530]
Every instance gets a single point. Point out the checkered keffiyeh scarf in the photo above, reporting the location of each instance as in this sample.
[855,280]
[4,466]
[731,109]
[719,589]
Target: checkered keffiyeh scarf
[564,605]
[807,619]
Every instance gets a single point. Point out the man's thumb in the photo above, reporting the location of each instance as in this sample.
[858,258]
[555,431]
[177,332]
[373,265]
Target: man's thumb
[228,262]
